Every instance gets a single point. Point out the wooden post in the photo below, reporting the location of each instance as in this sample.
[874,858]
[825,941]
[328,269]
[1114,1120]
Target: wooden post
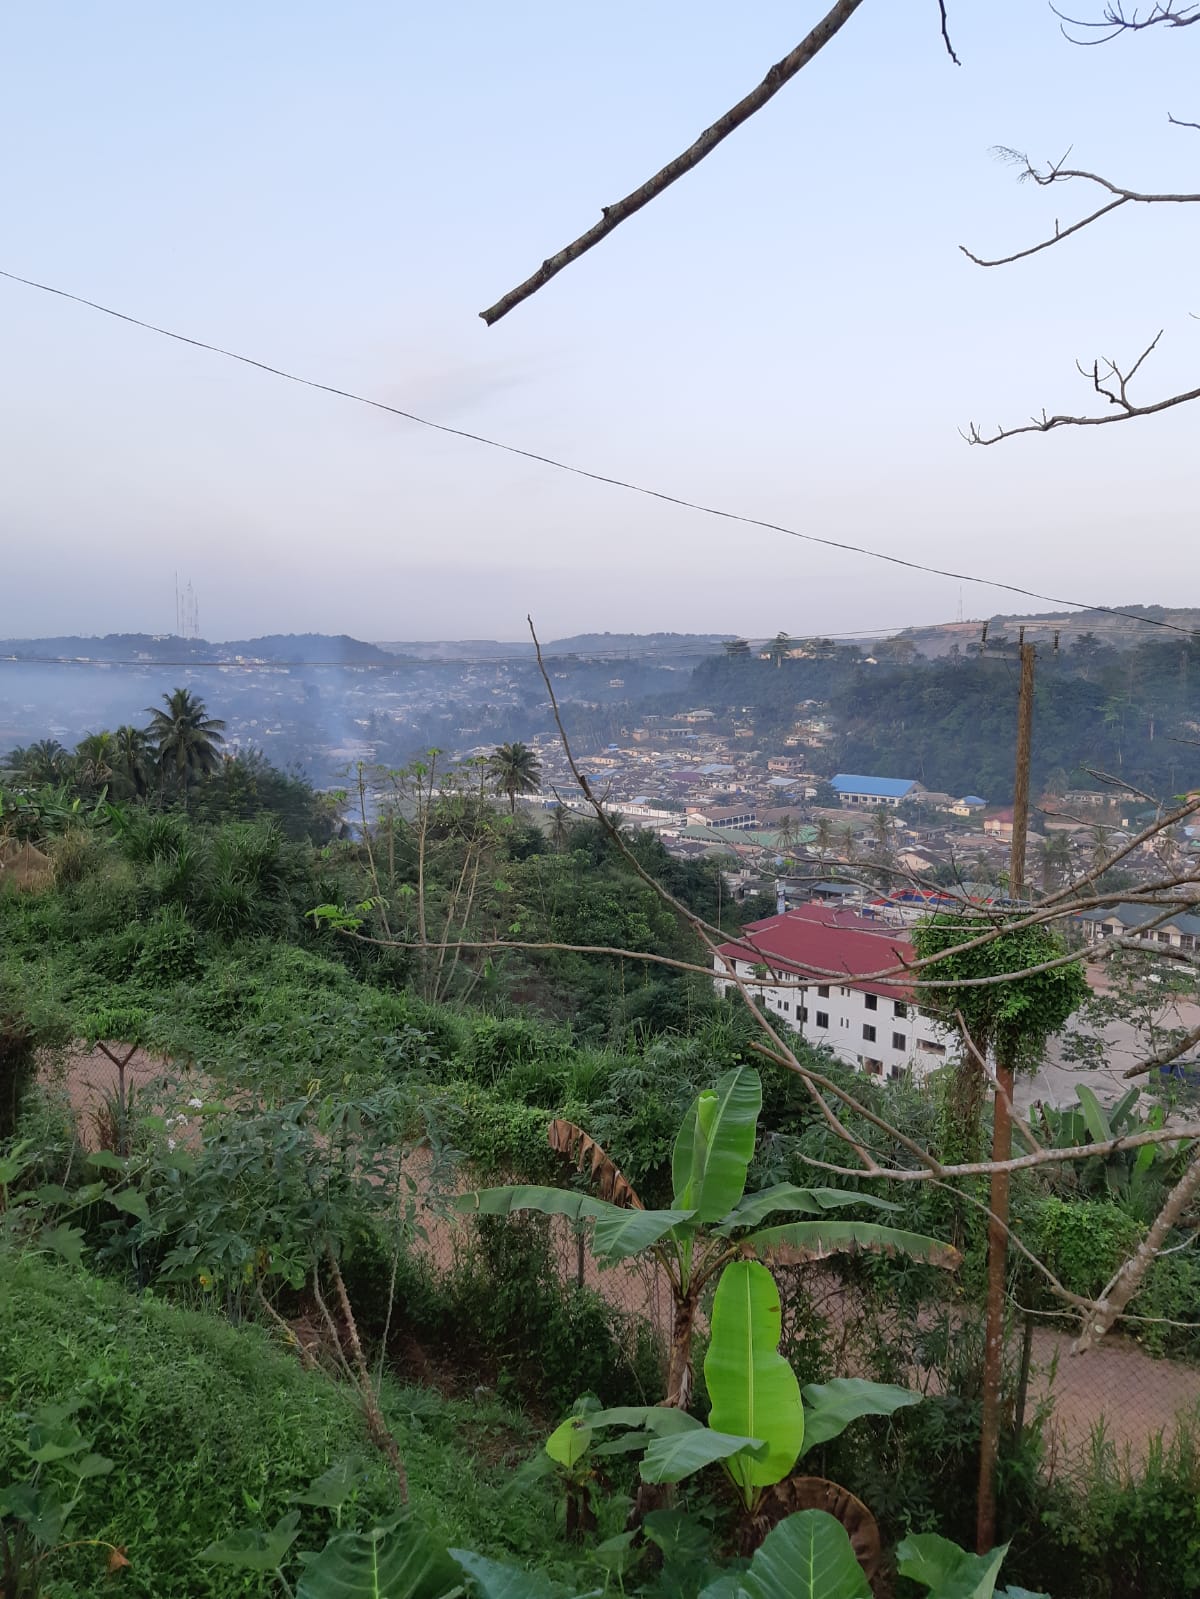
[993,1354]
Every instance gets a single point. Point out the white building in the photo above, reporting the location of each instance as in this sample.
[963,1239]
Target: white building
[795,962]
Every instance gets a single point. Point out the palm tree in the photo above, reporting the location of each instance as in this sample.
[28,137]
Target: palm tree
[185,739]
[785,835]
[131,759]
[1054,854]
[849,843]
[824,838]
[41,764]
[514,769]
[93,761]
[560,827]
[881,827]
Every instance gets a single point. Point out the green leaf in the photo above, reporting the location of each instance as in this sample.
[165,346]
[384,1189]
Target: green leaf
[1120,1114]
[492,1580]
[629,1232]
[330,1490]
[15,1162]
[569,1442]
[131,1202]
[106,1160]
[1097,1121]
[946,1570]
[753,1389]
[680,1537]
[787,1197]
[619,1233]
[715,1145]
[814,1240]
[402,1560]
[658,1419]
[89,1465]
[54,1441]
[252,1549]
[39,1508]
[64,1241]
[807,1556]
[674,1456]
[830,1407]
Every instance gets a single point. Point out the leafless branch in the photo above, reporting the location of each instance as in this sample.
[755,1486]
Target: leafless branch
[1109,381]
[1056,172]
[1114,21]
[1165,1056]
[946,34]
[1129,1278]
[613,215]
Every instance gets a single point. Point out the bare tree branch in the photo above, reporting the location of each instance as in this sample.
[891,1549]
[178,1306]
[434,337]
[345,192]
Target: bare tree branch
[1129,1278]
[1113,22]
[946,34]
[1109,381]
[1055,172]
[613,215]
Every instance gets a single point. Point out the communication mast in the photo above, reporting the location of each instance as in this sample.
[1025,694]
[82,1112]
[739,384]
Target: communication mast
[187,611]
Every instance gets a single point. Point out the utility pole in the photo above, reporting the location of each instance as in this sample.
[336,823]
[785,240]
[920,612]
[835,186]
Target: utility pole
[993,1354]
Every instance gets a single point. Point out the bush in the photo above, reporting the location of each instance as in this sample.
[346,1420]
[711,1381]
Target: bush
[1083,1241]
[196,1416]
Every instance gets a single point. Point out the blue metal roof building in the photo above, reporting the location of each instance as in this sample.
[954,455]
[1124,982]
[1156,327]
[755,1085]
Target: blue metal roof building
[856,789]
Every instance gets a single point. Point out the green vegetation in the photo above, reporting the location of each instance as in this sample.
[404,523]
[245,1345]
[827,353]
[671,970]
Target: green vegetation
[249,1324]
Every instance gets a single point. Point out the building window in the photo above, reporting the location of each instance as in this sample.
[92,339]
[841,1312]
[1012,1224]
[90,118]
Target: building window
[1164,938]
[787,1004]
[928,1048]
[823,992]
[899,1008]
[802,1013]
[822,1018]
[899,1041]
[868,1033]
[845,992]
[875,1067]
[871,1001]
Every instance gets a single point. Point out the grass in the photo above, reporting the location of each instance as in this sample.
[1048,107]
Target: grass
[212,1426]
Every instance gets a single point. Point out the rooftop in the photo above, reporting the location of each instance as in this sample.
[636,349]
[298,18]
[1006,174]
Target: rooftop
[806,945]
[880,787]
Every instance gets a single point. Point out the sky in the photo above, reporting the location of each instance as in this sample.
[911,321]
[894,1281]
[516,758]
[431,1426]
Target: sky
[790,332]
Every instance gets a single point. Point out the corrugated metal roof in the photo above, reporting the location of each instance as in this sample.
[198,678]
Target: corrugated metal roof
[881,787]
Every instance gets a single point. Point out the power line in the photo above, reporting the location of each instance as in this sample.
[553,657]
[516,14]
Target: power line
[579,471]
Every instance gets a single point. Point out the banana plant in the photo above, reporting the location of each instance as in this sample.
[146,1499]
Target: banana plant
[711,1221]
[1137,1175]
[760,1424]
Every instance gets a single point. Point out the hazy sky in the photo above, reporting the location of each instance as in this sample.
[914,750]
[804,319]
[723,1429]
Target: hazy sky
[790,331]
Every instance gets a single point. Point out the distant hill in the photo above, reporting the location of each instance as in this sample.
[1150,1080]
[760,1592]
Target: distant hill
[593,645]
[285,648]
[1134,627]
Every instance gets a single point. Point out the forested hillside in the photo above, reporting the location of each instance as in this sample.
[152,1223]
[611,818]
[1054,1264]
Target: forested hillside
[950,723]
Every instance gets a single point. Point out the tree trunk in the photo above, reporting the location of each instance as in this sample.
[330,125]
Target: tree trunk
[679,1366]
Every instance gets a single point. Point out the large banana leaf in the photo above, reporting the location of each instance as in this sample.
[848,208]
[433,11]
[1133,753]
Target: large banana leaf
[830,1407]
[400,1561]
[492,1580]
[619,1233]
[804,1201]
[1097,1122]
[814,1240]
[807,1556]
[674,1456]
[753,1389]
[715,1145]
[658,1419]
[946,1570]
